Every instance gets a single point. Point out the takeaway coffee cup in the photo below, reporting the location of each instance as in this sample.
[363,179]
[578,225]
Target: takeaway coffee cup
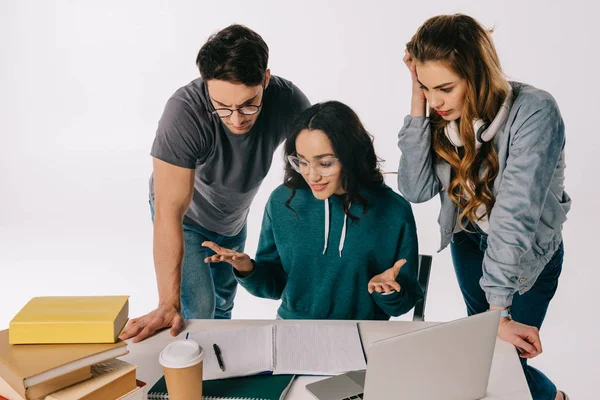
[182,365]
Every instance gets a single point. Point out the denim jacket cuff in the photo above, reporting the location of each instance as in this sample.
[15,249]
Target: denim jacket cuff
[415,122]
[499,300]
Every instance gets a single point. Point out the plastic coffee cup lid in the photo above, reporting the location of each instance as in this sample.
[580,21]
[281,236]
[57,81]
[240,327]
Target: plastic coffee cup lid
[181,354]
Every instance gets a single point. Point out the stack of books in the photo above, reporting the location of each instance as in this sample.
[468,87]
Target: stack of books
[66,348]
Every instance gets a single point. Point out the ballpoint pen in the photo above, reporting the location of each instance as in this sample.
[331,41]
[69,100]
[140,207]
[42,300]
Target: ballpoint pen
[219,358]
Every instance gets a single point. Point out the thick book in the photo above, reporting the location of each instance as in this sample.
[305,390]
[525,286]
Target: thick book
[7,392]
[70,319]
[295,349]
[135,394]
[111,379]
[256,387]
[37,370]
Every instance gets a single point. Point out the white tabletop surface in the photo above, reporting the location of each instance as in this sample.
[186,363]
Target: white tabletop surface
[507,380]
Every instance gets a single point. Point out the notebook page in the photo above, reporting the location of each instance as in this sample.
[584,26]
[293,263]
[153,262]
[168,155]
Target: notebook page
[318,349]
[244,351]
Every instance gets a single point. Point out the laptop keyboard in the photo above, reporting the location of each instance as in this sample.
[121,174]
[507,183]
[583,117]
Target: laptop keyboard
[358,396]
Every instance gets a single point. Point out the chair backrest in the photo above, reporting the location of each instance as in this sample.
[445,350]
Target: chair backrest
[423,274]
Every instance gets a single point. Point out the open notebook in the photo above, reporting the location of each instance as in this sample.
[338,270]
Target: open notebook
[298,349]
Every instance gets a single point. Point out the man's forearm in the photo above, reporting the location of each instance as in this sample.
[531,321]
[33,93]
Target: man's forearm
[168,258]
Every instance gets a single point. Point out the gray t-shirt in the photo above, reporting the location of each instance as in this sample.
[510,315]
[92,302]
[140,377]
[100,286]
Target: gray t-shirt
[229,167]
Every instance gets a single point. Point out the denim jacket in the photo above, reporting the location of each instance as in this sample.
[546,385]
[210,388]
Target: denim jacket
[531,205]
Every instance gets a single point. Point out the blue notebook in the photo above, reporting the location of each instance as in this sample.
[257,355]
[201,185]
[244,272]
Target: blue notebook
[255,387]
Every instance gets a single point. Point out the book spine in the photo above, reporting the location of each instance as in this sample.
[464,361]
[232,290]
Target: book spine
[65,332]
[13,380]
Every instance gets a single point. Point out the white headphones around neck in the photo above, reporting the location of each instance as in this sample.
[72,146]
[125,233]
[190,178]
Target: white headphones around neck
[483,132]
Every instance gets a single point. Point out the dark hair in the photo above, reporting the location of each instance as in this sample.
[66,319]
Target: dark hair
[351,143]
[234,54]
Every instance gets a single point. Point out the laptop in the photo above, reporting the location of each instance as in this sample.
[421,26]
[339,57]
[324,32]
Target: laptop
[450,361]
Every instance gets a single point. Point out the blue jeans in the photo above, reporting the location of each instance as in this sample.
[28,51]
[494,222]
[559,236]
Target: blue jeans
[207,289]
[528,308]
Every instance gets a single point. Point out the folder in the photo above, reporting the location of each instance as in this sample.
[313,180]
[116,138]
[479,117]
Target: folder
[264,387]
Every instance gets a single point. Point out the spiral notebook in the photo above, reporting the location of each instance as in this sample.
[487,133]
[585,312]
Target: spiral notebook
[296,349]
[256,387]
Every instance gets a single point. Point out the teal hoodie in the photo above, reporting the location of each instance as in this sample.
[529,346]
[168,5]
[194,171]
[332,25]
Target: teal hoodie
[320,270]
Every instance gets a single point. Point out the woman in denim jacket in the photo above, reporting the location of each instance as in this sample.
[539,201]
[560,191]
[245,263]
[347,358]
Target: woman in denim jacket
[494,152]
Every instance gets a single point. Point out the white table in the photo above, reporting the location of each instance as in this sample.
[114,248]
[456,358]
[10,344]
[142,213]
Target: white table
[507,380]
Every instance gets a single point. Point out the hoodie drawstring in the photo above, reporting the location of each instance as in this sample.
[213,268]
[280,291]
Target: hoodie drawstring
[344,228]
[326,202]
[343,237]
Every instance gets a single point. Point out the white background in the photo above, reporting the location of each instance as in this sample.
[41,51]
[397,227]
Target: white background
[83,84]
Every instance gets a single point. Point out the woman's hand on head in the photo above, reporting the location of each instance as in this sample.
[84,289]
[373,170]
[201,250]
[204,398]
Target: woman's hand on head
[411,64]
[418,102]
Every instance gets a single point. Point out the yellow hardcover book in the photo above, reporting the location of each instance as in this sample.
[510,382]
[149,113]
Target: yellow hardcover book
[70,319]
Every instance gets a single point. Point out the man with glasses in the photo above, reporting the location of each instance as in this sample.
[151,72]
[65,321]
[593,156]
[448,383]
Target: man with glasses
[213,148]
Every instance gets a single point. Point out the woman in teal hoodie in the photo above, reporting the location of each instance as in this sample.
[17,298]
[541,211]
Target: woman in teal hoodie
[336,242]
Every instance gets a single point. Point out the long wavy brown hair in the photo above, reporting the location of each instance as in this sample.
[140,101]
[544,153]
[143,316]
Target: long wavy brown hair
[465,47]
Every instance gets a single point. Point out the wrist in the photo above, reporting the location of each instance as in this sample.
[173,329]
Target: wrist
[245,270]
[417,108]
[503,322]
[505,313]
[170,303]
